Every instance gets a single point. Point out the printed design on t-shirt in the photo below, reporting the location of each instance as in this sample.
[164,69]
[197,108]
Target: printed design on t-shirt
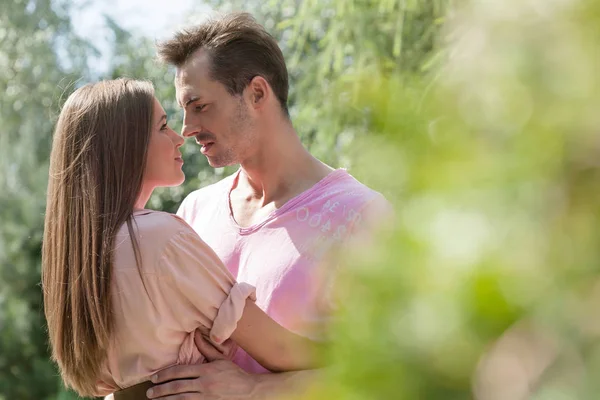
[334,220]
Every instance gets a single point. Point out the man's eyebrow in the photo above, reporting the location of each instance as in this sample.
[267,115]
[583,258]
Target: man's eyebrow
[191,100]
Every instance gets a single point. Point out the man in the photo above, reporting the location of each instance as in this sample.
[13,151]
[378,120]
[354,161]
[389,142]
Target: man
[277,220]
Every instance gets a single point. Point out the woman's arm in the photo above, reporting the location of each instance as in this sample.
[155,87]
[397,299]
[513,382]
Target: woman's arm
[273,346]
[196,282]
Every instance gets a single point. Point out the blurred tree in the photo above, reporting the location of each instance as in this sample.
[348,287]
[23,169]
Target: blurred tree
[490,286]
[326,43]
[492,152]
[41,60]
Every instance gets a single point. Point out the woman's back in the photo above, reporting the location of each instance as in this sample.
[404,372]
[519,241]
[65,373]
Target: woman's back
[179,288]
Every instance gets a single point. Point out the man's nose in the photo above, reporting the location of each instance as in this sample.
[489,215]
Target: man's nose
[189,128]
[187,131]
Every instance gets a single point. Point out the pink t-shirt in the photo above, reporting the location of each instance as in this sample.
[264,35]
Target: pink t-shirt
[282,255]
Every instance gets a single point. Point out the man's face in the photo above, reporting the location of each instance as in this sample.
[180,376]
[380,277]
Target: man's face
[219,121]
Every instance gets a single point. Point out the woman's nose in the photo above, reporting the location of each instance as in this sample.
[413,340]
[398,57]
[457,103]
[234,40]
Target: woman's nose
[178,140]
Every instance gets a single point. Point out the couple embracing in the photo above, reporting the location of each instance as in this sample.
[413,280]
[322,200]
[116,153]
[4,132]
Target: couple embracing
[208,303]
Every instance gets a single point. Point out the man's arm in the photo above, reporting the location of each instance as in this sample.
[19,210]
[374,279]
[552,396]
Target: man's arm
[223,380]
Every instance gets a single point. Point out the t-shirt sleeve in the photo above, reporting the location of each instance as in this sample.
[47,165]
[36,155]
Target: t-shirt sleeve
[375,216]
[199,289]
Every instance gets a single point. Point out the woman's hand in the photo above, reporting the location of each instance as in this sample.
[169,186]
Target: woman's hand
[212,351]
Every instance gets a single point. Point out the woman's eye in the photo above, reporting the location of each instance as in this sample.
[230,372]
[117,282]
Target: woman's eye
[162,128]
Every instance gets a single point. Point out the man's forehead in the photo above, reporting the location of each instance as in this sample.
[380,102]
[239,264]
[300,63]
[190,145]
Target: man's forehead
[184,76]
[191,77]
[200,58]
[197,65]
[186,93]
[186,82]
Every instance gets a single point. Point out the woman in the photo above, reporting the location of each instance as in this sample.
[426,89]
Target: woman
[126,288]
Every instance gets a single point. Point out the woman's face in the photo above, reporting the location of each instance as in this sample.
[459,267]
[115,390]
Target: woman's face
[164,162]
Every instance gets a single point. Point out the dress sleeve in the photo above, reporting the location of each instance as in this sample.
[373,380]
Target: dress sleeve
[199,289]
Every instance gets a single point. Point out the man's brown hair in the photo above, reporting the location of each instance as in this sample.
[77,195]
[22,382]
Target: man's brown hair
[239,49]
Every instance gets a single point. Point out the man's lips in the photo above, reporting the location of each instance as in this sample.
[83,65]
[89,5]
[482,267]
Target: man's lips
[205,147]
[206,141]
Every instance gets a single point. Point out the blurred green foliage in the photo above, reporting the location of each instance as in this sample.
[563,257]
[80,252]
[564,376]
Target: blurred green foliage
[489,287]
[478,120]
[327,43]
[35,74]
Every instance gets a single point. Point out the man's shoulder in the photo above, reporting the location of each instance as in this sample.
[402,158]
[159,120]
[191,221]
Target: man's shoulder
[344,187]
[353,200]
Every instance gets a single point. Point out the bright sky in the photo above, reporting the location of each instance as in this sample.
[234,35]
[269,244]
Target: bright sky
[155,19]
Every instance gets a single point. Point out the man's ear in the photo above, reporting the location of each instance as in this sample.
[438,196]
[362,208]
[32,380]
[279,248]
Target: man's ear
[258,91]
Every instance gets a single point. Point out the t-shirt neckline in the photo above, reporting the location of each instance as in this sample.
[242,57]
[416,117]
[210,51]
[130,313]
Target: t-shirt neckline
[290,204]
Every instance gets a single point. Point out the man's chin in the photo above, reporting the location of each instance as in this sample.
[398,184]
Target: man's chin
[219,163]
[216,163]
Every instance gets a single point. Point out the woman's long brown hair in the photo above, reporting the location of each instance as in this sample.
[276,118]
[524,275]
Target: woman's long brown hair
[96,168]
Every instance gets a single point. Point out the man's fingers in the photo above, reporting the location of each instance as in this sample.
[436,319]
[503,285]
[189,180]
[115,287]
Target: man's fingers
[178,372]
[207,349]
[183,396]
[178,387]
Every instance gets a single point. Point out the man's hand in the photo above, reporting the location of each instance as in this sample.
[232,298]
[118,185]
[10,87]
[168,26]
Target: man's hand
[220,379]
[217,380]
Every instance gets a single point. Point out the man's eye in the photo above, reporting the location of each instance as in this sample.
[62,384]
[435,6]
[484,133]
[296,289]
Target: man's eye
[200,107]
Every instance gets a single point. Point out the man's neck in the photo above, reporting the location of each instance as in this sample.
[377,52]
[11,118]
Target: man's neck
[281,169]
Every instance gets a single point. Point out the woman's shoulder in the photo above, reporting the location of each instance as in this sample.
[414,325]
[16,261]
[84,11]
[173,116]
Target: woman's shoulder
[159,224]
[154,231]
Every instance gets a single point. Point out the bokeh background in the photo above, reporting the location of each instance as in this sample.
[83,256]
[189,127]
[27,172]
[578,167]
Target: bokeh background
[478,119]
